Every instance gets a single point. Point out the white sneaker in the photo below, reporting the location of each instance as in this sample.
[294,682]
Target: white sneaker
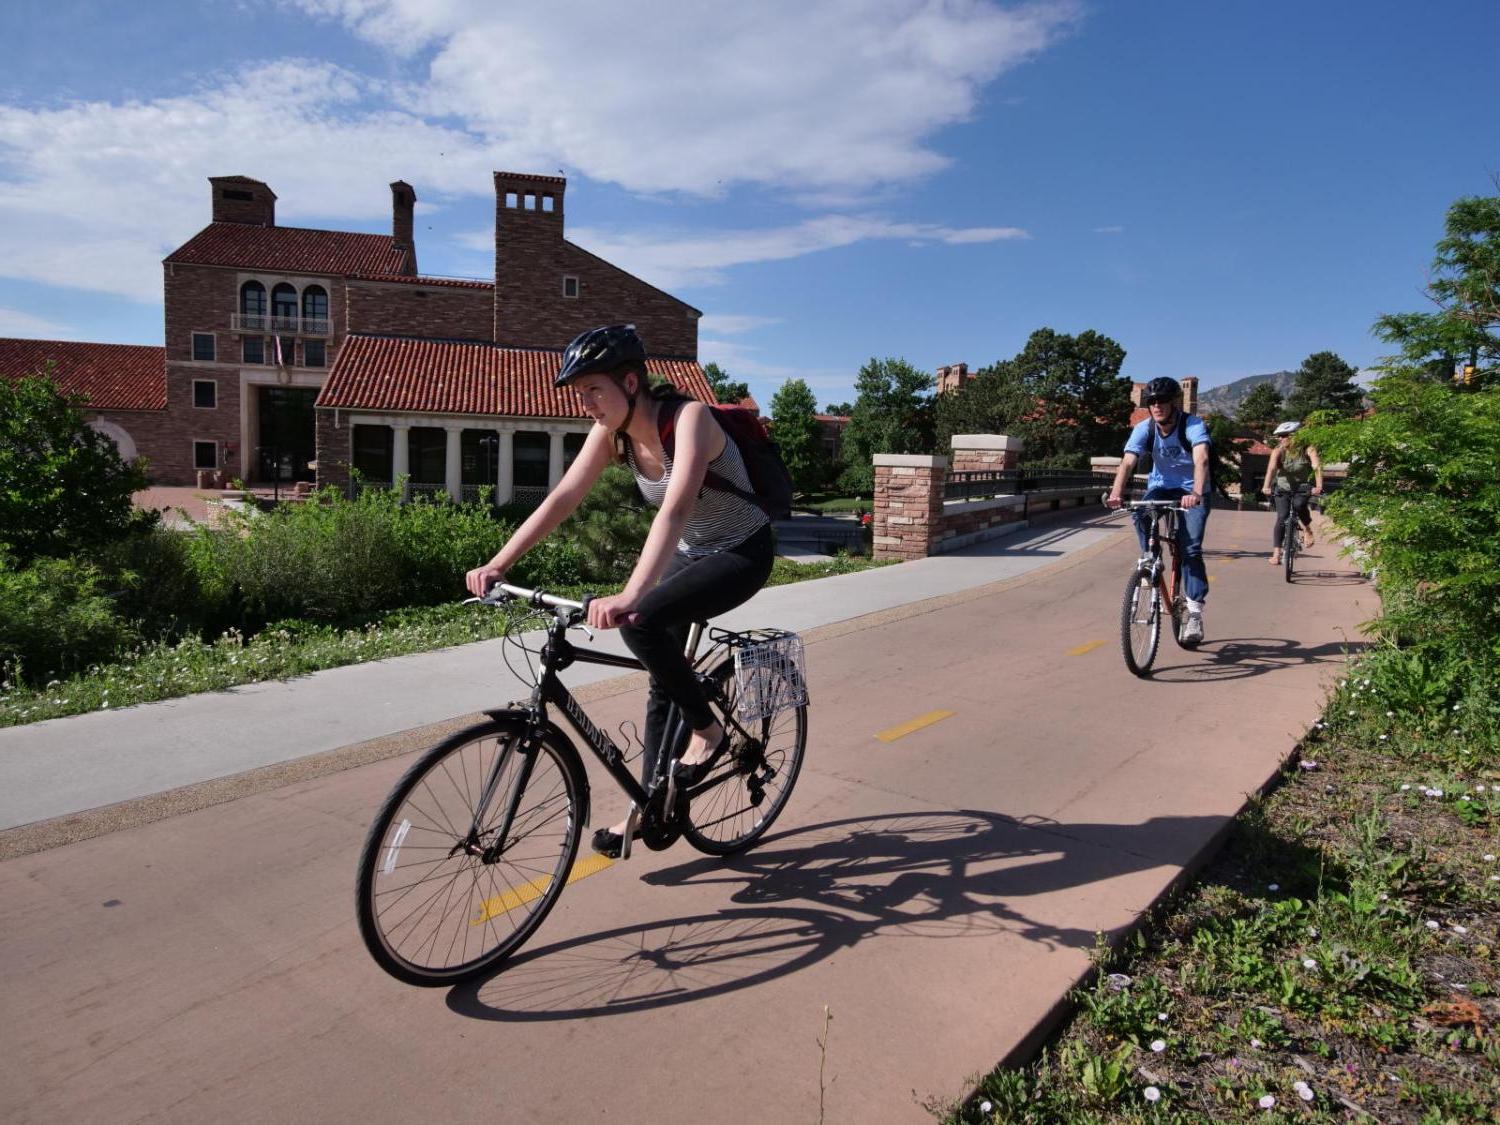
[1192,628]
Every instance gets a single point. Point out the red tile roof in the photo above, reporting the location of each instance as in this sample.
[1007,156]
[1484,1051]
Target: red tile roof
[110,376]
[405,375]
[292,250]
[402,279]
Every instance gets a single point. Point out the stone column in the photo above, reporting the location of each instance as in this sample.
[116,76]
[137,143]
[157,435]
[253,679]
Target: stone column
[979,453]
[453,469]
[554,457]
[908,504]
[400,455]
[505,485]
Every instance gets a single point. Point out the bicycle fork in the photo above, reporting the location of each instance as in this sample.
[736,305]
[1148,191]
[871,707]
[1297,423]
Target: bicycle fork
[526,748]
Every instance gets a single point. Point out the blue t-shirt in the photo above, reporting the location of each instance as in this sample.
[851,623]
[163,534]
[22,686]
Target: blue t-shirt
[1171,464]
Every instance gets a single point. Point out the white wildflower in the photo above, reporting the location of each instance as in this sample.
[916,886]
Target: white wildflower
[1151,1094]
[1158,1045]
[1273,887]
[1309,963]
[1267,1102]
[1431,925]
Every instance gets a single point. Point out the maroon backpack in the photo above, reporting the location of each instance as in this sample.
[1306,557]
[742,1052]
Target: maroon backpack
[770,483]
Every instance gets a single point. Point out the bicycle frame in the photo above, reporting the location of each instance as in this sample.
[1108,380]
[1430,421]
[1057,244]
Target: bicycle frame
[558,654]
[1167,578]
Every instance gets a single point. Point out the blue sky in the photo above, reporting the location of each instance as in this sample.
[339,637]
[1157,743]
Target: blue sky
[1223,188]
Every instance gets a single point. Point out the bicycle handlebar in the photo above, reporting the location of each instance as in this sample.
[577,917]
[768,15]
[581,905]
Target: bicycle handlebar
[502,592]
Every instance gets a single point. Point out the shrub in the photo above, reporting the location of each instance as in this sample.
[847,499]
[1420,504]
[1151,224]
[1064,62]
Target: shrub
[55,619]
[609,528]
[157,585]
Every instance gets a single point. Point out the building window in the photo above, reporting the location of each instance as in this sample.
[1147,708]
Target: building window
[570,287]
[314,353]
[284,302]
[314,303]
[572,447]
[528,200]
[205,455]
[253,349]
[253,299]
[549,203]
[237,193]
[286,354]
[511,199]
[205,394]
[203,346]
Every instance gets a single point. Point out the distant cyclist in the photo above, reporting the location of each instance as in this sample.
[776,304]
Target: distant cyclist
[1179,445]
[708,550]
[1290,467]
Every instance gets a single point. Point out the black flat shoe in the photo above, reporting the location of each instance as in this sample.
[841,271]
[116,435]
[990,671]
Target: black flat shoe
[615,845]
[688,775]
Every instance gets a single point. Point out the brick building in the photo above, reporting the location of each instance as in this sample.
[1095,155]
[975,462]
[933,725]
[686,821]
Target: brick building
[296,354]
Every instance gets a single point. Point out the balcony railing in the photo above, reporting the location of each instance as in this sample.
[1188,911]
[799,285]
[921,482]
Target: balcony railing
[280,325]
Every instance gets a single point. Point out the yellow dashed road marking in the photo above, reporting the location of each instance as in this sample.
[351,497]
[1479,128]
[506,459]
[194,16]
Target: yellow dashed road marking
[1087,646]
[916,724]
[497,905]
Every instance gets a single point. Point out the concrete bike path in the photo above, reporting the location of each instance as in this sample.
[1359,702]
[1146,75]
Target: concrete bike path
[937,891]
[64,766]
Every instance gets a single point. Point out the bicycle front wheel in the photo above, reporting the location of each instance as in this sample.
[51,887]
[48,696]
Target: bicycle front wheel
[439,899]
[738,801]
[1140,623]
[1289,546]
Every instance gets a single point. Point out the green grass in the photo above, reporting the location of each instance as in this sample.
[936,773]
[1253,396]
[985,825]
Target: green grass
[1345,938]
[818,502]
[289,649]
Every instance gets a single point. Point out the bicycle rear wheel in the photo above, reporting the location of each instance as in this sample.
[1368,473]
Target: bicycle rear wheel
[433,909]
[1140,623]
[745,793]
[1289,543]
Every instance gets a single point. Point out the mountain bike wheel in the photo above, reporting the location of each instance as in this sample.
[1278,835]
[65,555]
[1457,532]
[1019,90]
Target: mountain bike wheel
[744,794]
[432,910]
[1140,623]
[1289,544]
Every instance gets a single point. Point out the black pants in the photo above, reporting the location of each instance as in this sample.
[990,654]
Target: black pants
[690,590]
[1285,503]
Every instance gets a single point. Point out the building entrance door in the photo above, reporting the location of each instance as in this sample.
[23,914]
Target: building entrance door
[288,434]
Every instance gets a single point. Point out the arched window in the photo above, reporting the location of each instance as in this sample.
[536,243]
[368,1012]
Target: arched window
[253,299]
[315,303]
[284,301]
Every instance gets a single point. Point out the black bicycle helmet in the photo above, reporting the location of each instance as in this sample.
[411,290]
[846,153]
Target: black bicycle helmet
[1163,389]
[600,351]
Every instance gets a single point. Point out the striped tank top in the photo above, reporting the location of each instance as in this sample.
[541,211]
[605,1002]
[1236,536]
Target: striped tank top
[719,520]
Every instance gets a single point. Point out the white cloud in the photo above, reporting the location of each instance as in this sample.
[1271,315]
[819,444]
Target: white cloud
[701,258]
[732,324]
[14,322]
[696,95]
[1109,230]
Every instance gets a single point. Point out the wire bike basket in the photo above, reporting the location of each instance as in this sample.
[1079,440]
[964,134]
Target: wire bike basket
[768,674]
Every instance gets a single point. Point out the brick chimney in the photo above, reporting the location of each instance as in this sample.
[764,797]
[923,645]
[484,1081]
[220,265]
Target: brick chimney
[531,260]
[239,199]
[1137,394]
[1190,394]
[403,203]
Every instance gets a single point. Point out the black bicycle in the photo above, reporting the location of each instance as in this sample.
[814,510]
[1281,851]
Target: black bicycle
[475,844]
[1291,532]
[1154,583]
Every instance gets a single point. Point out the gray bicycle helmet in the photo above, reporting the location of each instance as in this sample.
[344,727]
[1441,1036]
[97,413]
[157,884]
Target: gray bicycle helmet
[601,351]
[1163,389]
[1286,428]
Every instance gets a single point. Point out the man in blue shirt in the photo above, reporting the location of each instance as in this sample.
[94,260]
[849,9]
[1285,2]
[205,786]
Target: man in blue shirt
[1178,444]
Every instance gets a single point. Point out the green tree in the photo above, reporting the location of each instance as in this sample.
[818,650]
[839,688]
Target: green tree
[795,427]
[1466,290]
[892,414]
[842,409]
[1324,382]
[1062,395]
[725,388]
[1261,409]
[63,487]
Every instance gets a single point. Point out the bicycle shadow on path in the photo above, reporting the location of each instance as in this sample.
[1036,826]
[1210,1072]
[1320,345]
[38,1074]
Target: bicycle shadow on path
[806,894]
[1240,657]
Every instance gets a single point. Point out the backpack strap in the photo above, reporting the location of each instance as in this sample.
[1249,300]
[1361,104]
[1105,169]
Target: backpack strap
[666,428]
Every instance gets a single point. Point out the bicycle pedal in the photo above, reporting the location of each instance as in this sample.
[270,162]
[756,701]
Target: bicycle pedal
[632,822]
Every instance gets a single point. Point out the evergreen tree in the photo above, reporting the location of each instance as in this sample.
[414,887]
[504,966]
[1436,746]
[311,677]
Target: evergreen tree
[795,427]
[841,409]
[1261,409]
[1324,382]
[891,415]
[724,388]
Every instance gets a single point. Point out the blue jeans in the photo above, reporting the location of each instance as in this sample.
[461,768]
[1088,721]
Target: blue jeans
[1190,528]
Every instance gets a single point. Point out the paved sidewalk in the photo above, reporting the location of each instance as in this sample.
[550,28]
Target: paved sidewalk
[64,766]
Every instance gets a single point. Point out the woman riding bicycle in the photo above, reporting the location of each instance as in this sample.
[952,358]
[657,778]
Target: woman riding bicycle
[1291,466]
[708,550]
